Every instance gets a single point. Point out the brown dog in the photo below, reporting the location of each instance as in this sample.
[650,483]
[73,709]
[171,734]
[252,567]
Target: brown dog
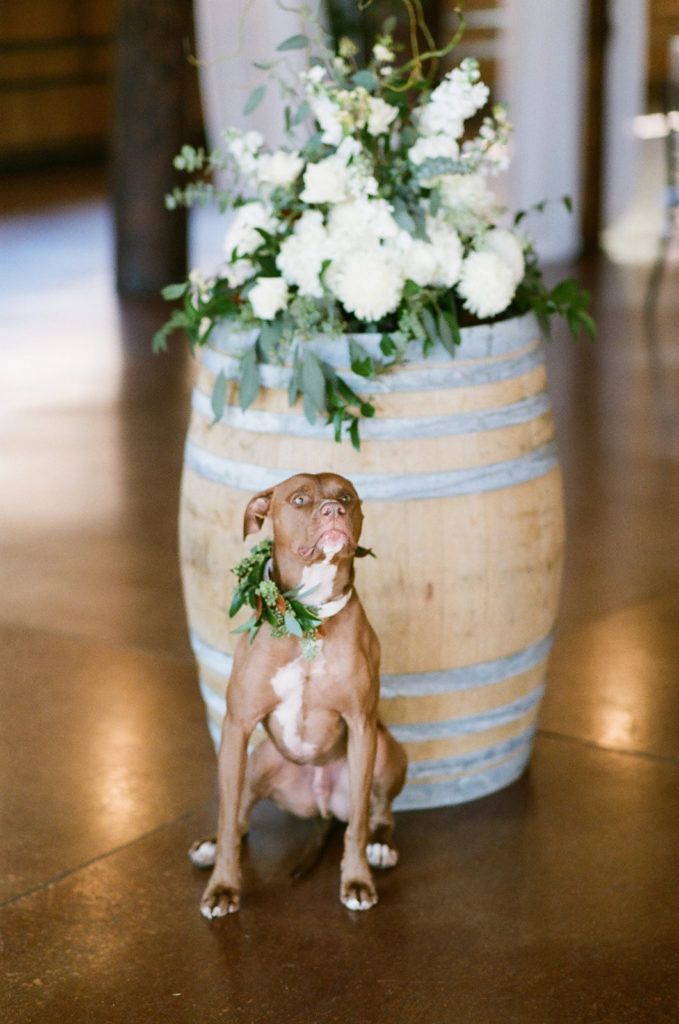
[326,752]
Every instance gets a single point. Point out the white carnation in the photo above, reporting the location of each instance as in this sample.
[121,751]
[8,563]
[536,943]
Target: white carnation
[358,222]
[301,254]
[268,296]
[280,168]
[506,245]
[380,115]
[367,282]
[419,260]
[327,181]
[486,284]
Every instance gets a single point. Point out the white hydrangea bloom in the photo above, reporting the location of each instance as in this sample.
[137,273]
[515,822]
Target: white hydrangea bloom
[469,190]
[368,282]
[268,296]
[242,239]
[486,284]
[506,245]
[380,115]
[280,168]
[302,253]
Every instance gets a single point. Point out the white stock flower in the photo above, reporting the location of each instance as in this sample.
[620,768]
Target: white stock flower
[244,148]
[383,54]
[506,245]
[280,168]
[486,284]
[457,98]
[380,115]
[368,282]
[268,296]
[327,181]
[242,239]
[301,254]
[329,117]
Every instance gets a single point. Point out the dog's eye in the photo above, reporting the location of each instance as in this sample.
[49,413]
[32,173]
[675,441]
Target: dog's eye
[345,499]
[299,499]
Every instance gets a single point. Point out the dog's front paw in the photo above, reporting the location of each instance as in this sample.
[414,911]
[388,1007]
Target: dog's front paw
[220,900]
[381,855]
[356,895]
[203,853]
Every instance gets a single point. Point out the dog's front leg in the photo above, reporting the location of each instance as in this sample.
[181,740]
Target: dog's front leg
[222,895]
[357,891]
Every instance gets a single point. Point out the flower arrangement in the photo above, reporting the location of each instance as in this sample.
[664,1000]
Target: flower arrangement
[381,220]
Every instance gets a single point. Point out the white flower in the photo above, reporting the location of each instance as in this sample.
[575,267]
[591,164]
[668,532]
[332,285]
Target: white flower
[326,182]
[329,117]
[380,115]
[302,253]
[383,54]
[358,222]
[244,149]
[242,239]
[368,282]
[486,284]
[448,247]
[268,296]
[468,190]
[506,245]
[457,98]
[419,260]
[280,168]
[433,147]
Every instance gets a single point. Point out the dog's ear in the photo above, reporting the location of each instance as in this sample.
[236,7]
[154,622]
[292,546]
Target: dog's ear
[256,512]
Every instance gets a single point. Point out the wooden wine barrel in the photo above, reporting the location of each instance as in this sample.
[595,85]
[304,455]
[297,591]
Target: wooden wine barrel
[462,497]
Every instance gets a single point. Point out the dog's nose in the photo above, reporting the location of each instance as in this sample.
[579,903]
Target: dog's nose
[332,508]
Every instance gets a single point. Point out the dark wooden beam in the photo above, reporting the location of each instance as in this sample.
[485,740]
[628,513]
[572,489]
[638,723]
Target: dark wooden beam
[149,125]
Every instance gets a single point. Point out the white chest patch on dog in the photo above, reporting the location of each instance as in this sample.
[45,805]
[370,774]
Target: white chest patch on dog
[320,576]
[288,685]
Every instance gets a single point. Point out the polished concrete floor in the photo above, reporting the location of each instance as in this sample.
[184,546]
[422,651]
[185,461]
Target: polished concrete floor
[556,900]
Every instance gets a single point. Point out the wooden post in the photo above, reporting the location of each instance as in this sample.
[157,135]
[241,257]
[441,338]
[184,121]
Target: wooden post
[149,126]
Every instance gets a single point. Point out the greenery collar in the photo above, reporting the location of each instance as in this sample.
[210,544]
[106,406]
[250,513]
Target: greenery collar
[286,613]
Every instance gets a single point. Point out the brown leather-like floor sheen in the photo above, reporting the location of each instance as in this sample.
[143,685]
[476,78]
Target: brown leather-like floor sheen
[556,900]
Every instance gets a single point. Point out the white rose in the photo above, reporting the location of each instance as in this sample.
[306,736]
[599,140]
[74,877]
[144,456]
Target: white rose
[268,296]
[486,284]
[419,259]
[281,168]
[242,239]
[380,115]
[326,181]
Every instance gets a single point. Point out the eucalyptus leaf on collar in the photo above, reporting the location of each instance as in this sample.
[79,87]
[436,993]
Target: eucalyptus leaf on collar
[286,613]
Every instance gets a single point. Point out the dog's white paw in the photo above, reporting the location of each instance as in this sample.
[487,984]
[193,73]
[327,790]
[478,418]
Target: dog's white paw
[203,853]
[380,855]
